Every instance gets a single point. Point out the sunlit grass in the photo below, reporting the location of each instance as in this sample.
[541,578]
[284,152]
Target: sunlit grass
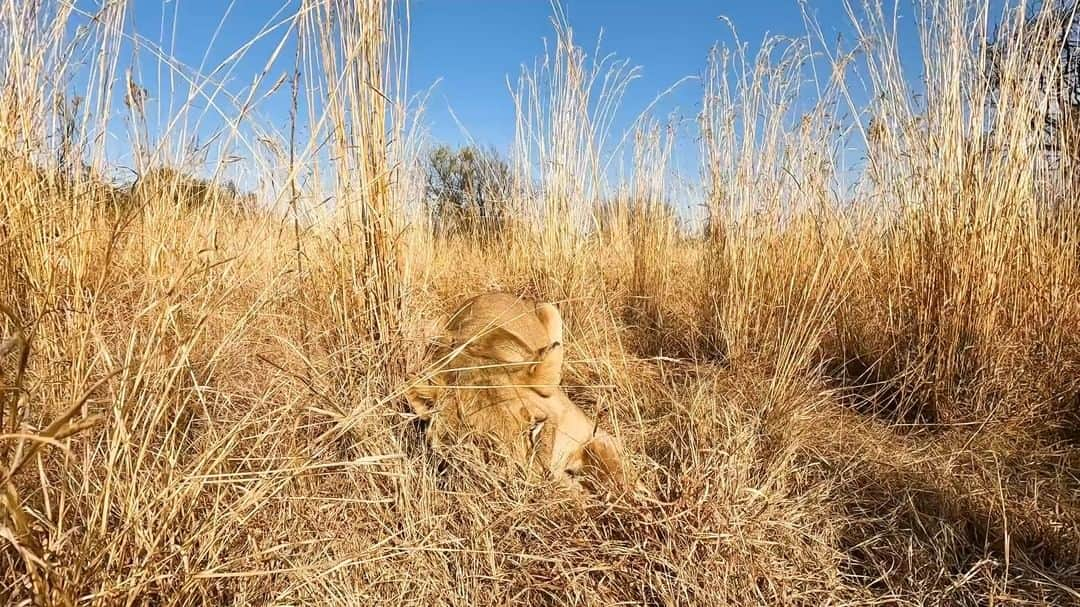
[864,398]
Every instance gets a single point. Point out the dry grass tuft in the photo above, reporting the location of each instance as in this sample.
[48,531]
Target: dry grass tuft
[863,398]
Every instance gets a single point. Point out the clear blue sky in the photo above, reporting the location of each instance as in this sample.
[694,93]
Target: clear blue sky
[474,44]
[471,46]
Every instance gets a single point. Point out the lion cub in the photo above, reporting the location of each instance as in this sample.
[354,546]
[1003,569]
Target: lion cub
[499,374]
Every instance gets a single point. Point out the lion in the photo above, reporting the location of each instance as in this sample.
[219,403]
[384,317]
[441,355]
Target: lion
[499,375]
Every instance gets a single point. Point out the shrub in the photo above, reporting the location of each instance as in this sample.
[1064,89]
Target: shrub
[467,190]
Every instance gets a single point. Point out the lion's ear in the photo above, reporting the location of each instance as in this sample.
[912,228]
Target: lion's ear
[421,398]
[547,372]
[546,375]
[552,320]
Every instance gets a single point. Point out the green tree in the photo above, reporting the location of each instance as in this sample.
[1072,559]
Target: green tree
[467,190]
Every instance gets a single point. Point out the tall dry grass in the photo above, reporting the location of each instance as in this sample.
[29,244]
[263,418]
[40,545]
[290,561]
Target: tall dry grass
[842,394]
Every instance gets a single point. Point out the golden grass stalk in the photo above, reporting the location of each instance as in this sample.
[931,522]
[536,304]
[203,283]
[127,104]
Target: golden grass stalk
[360,67]
[565,106]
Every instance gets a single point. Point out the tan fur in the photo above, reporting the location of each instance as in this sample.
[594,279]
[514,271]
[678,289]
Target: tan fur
[502,360]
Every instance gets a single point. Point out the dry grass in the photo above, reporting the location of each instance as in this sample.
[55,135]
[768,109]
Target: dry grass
[839,401]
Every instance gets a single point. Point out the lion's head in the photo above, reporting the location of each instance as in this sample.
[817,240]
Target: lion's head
[498,374]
